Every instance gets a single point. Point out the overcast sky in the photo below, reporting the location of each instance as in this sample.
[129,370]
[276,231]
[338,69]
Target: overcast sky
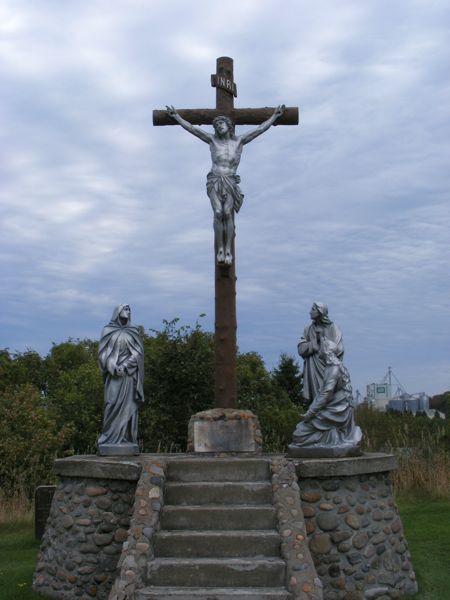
[350,208]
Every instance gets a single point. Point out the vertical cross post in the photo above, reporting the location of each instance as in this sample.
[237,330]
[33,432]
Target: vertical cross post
[225,275]
[225,280]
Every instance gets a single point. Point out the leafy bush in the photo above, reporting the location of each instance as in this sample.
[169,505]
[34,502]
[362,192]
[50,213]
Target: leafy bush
[262,393]
[178,382]
[288,376]
[30,439]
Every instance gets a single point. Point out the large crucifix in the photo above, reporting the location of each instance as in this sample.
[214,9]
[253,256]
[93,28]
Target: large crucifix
[226,199]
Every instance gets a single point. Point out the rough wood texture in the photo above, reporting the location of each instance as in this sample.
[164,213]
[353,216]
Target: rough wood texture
[239,116]
[225,291]
[225,335]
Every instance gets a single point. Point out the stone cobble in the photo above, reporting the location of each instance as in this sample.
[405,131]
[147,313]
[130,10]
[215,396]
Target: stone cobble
[356,537]
[138,547]
[301,580]
[83,539]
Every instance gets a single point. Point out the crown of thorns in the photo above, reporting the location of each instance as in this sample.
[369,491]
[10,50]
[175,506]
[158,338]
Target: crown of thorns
[227,120]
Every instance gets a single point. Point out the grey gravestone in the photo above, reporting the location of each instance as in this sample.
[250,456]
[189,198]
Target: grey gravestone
[43,497]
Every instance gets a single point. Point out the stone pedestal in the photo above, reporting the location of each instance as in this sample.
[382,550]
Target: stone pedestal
[354,529]
[118,449]
[343,451]
[224,430]
[103,526]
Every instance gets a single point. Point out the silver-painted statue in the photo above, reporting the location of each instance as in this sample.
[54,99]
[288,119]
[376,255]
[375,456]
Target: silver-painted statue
[222,183]
[309,348]
[328,428]
[121,359]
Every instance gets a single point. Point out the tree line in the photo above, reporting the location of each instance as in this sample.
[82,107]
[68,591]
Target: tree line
[51,406]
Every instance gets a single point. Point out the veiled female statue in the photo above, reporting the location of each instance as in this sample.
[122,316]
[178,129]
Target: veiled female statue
[309,348]
[328,428]
[121,359]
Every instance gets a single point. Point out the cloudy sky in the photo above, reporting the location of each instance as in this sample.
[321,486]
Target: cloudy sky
[351,208]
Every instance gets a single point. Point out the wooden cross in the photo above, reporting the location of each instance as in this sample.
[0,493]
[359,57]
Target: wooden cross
[225,275]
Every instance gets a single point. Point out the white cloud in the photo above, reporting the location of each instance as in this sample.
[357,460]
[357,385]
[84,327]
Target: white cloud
[351,207]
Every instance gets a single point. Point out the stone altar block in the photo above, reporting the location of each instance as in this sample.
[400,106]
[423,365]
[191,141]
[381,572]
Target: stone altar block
[224,430]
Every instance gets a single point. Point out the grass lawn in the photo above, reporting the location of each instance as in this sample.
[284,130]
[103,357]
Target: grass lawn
[18,550]
[426,523]
[427,529]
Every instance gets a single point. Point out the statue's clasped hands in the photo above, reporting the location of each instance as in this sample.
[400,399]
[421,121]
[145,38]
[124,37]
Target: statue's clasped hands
[120,371]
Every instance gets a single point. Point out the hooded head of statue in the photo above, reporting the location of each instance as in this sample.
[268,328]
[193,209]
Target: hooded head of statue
[121,315]
[322,309]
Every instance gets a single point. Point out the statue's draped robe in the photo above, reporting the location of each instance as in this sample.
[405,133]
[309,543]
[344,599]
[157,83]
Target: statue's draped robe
[121,346]
[332,424]
[314,367]
[225,185]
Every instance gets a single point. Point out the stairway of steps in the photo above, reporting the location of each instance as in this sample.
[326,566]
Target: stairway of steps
[218,538]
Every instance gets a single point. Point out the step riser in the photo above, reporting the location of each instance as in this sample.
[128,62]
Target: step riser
[217,545]
[210,594]
[230,493]
[207,519]
[220,575]
[218,470]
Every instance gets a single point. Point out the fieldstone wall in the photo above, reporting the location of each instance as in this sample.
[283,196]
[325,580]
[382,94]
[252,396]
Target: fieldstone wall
[356,536]
[88,523]
[301,579]
[138,549]
[344,508]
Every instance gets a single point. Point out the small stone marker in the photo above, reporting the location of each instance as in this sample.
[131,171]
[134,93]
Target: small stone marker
[224,430]
[43,497]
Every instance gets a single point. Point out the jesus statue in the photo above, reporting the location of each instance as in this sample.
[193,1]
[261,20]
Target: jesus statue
[222,182]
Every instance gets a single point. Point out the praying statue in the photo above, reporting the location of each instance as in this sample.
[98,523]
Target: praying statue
[222,182]
[121,359]
[328,428]
[309,348]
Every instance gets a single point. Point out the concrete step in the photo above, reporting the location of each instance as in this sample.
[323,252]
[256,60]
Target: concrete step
[232,593]
[205,492]
[217,543]
[218,469]
[218,517]
[217,572]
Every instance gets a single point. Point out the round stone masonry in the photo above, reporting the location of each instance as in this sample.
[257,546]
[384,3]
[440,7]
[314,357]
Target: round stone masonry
[87,526]
[354,529]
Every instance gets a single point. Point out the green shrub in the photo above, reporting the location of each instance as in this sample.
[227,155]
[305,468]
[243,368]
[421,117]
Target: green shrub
[262,394]
[179,381]
[30,439]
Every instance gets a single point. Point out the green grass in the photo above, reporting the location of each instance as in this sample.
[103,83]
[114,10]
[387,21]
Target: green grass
[18,550]
[427,529]
[426,523]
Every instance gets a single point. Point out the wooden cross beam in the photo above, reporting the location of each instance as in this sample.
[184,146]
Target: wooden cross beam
[225,275]
[225,92]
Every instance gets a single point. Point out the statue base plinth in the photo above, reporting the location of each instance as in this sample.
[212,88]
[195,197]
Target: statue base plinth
[224,430]
[118,449]
[295,451]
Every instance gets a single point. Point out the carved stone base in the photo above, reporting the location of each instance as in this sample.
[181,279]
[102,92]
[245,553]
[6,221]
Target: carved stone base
[118,449]
[224,430]
[295,451]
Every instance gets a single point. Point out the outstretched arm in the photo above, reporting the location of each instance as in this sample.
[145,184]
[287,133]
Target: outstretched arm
[205,137]
[251,135]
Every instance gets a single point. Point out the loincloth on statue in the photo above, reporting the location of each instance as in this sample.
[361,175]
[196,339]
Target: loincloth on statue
[225,185]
